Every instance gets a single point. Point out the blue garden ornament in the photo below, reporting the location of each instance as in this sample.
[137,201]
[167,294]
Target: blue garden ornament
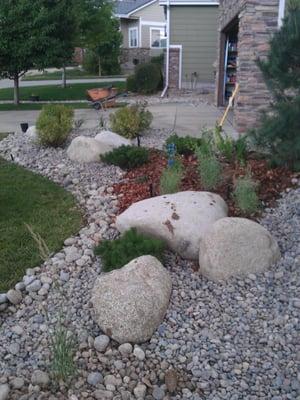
[171,151]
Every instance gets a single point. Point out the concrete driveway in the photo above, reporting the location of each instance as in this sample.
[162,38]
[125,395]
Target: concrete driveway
[185,119]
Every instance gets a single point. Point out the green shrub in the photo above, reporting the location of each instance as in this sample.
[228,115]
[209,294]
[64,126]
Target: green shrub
[241,149]
[148,78]
[184,145]
[245,195]
[117,253]
[131,84]
[131,120]
[54,124]
[209,167]
[159,60]
[170,179]
[126,157]
[90,62]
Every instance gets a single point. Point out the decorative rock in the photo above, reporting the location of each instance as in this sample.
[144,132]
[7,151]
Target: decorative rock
[35,286]
[14,348]
[171,380]
[20,286]
[64,276]
[101,342]
[86,149]
[125,349]
[72,254]
[140,391]
[236,246]
[130,303]
[3,298]
[103,394]
[14,296]
[4,391]
[18,383]
[111,140]
[158,393]
[181,219]
[94,378]
[40,378]
[139,353]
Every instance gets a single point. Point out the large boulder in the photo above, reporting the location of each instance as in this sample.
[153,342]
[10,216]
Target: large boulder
[111,140]
[180,219]
[86,149]
[130,303]
[236,246]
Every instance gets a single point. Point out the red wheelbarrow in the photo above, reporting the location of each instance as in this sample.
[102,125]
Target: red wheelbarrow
[102,98]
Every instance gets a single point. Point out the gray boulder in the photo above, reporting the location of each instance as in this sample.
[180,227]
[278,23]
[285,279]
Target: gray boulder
[180,219]
[236,246]
[130,303]
[111,140]
[86,149]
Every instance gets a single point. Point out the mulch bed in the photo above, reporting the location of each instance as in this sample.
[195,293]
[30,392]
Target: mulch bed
[143,182]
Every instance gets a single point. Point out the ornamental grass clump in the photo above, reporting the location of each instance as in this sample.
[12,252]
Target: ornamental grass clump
[54,124]
[117,253]
[63,349]
[209,167]
[185,145]
[245,195]
[170,179]
[127,157]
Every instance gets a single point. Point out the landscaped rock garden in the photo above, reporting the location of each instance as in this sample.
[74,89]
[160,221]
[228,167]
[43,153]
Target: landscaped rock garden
[134,338]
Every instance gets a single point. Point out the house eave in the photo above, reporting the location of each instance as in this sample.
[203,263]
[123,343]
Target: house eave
[188,3]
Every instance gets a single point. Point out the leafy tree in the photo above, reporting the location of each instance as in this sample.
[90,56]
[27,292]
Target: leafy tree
[280,126]
[99,32]
[34,33]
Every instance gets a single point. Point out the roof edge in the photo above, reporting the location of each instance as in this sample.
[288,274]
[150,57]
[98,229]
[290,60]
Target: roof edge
[188,3]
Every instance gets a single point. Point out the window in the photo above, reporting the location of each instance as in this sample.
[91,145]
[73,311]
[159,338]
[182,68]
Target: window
[133,37]
[158,38]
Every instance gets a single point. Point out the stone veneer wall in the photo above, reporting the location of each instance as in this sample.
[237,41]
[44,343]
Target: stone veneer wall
[257,22]
[174,55]
[129,54]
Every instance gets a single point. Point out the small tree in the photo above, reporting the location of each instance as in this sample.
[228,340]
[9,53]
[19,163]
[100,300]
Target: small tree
[34,33]
[280,126]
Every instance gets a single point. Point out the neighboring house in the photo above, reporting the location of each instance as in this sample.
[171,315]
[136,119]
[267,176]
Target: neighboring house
[142,23]
[191,43]
[245,28]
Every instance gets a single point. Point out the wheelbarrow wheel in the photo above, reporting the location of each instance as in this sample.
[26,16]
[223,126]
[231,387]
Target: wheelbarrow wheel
[97,106]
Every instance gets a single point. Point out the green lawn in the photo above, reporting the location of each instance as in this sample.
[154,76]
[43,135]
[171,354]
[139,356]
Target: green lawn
[3,135]
[56,92]
[28,198]
[71,74]
[39,106]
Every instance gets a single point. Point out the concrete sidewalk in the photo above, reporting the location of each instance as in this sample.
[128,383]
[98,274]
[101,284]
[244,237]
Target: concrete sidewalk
[184,118]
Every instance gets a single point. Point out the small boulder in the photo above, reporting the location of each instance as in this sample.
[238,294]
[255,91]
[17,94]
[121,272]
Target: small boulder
[180,219]
[86,149]
[40,378]
[111,140]
[101,342]
[14,296]
[236,246]
[130,303]
[31,133]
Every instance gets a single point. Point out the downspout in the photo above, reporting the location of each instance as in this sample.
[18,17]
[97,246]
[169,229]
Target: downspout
[168,51]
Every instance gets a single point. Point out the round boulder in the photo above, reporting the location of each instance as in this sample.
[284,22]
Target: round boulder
[86,149]
[180,219]
[112,140]
[236,246]
[130,303]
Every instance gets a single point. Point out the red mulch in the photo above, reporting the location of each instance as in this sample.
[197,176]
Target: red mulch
[143,182]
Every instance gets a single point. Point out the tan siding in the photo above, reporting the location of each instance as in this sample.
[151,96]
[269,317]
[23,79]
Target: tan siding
[125,25]
[154,12]
[195,28]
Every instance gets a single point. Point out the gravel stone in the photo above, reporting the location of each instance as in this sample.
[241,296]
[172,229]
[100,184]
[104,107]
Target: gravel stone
[14,296]
[4,392]
[40,378]
[125,349]
[140,391]
[101,342]
[94,378]
[139,353]
[34,286]
[18,383]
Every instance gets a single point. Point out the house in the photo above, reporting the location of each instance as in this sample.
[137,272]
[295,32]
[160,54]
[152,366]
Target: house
[191,52]
[143,25]
[245,28]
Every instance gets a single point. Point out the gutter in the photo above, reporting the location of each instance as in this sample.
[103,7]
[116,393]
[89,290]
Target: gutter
[168,51]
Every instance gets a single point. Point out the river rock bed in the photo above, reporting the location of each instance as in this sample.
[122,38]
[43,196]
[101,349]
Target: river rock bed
[234,340]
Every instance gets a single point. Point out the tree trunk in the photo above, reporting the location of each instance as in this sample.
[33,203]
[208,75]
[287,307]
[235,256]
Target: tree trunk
[16,90]
[99,62]
[64,78]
